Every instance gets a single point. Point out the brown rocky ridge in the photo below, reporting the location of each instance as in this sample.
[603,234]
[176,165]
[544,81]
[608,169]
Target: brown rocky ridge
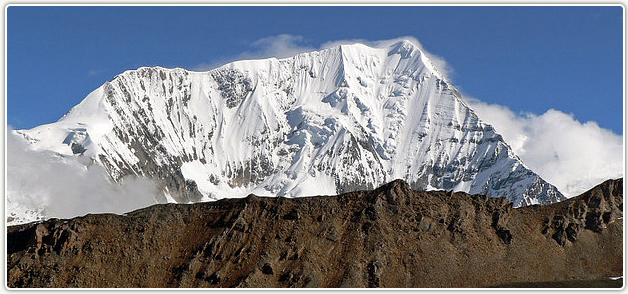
[388,237]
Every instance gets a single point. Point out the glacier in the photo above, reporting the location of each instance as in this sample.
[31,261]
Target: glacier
[342,119]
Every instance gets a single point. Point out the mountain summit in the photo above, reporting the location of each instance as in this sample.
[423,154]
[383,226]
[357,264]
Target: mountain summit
[346,118]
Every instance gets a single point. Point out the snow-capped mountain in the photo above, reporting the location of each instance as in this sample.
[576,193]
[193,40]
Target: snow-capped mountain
[341,119]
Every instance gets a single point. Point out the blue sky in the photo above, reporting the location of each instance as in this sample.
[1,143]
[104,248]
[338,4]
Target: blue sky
[529,59]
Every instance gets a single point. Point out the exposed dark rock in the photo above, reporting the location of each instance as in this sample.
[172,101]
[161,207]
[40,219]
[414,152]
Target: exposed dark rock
[233,85]
[593,211]
[388,237]
[267,269]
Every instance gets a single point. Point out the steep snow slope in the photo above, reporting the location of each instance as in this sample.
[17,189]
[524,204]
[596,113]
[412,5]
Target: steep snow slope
[341,119]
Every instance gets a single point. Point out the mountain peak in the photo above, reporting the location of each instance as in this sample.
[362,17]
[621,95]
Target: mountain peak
[317,123]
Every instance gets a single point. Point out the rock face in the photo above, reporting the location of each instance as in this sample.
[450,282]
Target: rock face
[389,237]
[342,119]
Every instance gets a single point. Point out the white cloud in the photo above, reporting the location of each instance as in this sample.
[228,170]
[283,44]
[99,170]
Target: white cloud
[65,187]
[94,72]
[571,155]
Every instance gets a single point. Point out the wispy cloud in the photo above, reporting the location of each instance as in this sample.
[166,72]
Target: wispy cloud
[94,72]
[280,46]
[205,66]
[65,187]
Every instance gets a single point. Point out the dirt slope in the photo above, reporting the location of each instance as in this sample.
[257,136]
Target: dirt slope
[388,237]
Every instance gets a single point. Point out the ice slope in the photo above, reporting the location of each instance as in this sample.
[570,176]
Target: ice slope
[340,119]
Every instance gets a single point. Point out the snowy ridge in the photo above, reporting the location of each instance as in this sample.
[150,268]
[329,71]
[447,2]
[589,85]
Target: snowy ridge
[341,119]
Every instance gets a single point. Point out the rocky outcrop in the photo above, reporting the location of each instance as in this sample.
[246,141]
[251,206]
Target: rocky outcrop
[593,211]
[392,236]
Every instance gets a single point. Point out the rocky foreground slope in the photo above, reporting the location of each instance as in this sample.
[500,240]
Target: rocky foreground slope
[388,237]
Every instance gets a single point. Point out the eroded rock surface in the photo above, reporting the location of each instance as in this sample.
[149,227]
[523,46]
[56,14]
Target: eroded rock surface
[388,237]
